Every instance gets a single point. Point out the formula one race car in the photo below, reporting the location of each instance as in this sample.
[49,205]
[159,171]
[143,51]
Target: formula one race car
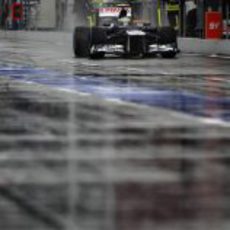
[127,40]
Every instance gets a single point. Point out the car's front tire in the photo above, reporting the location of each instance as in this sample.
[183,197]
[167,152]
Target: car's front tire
[97,55]
[167,35]
[169,54]
[97,37]
[81,42]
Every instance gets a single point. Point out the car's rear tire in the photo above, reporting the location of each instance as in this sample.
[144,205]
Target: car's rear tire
[81,42]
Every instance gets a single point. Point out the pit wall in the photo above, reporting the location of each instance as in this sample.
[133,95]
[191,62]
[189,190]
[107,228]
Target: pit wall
[186,45]
[202,46]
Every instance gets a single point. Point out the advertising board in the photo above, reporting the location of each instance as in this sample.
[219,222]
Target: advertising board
[213,25]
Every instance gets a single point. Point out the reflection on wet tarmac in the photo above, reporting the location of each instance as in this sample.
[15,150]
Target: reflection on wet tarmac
[131,171]
[205,96]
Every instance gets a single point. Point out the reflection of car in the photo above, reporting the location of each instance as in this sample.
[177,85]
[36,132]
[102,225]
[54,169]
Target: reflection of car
[110,37]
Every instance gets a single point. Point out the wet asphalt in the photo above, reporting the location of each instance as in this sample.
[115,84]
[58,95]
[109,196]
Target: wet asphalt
[113,143]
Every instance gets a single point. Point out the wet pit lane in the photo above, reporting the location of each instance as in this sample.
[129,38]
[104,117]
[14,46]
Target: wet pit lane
[116,144]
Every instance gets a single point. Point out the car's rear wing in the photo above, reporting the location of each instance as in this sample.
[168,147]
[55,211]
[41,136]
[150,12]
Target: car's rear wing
[113,11]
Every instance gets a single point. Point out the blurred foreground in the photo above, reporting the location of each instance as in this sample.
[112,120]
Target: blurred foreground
[75,159]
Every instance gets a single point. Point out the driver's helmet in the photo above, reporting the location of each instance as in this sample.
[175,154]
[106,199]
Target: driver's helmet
[123,18]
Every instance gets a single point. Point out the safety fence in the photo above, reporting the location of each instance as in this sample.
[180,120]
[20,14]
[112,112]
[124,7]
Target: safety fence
[192,18]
